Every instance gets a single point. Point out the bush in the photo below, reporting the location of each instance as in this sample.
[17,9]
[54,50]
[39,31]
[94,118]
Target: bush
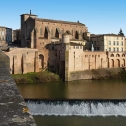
[36,77]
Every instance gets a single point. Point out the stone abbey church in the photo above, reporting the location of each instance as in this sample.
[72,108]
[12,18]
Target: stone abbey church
[59,46]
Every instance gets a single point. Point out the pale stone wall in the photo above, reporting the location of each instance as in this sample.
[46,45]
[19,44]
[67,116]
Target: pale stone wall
[108,42]
[23,60]
[5,36]
[114,43]
[76,58]
[117,59]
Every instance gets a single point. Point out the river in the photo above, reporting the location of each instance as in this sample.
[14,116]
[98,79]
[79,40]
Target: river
[77,103]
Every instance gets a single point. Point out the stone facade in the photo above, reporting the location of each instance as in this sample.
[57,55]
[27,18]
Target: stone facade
[16,35]
[71,57]
[63,46]
[38,33]
[106,42]
[23,60]
[5,36]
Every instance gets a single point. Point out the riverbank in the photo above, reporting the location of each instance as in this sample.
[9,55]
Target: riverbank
[39,77]
[47,76]
[96,74]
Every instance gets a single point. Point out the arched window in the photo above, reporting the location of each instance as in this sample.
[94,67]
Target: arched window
[118,62]
[57,33]
[123,55]
[112,62]
[112,55]
[76,35]
[41,60]
[47,32]
[117,55]
[123,62]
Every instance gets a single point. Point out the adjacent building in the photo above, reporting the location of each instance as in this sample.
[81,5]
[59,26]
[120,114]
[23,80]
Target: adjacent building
[5,36]
[106,42]
[16,35]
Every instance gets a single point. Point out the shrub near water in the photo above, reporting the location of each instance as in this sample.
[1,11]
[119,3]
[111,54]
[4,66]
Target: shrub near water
[36,77]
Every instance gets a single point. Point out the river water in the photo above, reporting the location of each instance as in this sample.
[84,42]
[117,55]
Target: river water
[77,103]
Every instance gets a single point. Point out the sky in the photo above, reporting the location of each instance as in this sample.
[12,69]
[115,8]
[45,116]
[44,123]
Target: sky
[100,16]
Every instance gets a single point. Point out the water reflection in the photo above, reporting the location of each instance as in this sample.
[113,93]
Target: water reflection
[83,89]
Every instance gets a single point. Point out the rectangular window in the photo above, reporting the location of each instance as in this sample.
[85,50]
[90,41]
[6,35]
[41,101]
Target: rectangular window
[117,49]
[114,43]
[77,47]
[122,49]
[117,43]
[114,49]
[109,49]
[2,33]
[109,42]
[121,43]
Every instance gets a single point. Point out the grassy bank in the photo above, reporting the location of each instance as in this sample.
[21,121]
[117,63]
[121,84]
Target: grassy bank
[47,76]
[39,77]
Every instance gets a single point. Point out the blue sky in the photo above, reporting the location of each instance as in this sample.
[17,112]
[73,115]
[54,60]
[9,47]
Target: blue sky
[100,16]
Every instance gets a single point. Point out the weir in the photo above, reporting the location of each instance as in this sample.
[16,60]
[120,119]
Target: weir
[78,108]
[13,109]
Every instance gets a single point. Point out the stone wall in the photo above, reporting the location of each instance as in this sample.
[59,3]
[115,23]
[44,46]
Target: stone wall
[94,74]
[13,110]
[23,60]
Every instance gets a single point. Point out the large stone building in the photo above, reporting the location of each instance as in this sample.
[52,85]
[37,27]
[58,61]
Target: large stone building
[5,36]
[62,47]
[106,42]
[67,58]
[37,33]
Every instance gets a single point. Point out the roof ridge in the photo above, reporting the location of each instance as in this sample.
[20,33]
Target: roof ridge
[60,21]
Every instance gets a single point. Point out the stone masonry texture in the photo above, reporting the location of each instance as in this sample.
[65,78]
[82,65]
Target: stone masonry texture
[13,110]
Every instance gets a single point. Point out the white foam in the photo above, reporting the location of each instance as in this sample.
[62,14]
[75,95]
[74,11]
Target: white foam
[82,109]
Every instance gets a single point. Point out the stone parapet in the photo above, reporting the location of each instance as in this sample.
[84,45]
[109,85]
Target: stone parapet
[13,110]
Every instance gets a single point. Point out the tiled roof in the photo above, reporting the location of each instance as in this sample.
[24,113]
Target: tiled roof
[59,21]
[98,35]
[112,35]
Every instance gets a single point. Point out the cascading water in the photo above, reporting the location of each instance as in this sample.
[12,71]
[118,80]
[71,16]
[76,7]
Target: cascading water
[81,108]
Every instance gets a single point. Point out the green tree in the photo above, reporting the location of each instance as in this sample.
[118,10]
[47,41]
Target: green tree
[120,32]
